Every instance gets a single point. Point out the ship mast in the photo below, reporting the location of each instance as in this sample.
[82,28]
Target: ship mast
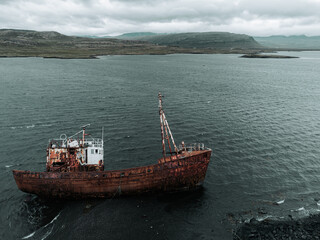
[165,131]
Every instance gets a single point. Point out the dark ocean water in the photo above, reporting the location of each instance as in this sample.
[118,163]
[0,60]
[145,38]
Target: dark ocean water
[260,117]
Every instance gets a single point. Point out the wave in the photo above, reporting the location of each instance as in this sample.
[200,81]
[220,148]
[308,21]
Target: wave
[16,127]
[45,125]
[280,202]
[299,209]
[29,236]
[44,227]
[55,218]
[30,126]
[47,233]
[260,219]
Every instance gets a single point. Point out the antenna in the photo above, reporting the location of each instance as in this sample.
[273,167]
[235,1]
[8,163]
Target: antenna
[84,133]
[102,131]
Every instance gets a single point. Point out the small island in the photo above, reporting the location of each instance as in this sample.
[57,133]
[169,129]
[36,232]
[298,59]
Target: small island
[257,55]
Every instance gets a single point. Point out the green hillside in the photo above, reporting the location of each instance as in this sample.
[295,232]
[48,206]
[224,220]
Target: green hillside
[198,40]
[27,43]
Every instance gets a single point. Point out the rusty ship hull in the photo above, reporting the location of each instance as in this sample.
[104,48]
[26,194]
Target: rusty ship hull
[173,173]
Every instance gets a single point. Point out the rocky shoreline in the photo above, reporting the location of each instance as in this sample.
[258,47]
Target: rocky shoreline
[306,228]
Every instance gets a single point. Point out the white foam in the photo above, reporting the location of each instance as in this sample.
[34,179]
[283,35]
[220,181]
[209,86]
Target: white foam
[47,234]
[260,219]
[55,218]
[280,202]
[16,127]
[299,209]
[29,236]
[46,125]
[31,126]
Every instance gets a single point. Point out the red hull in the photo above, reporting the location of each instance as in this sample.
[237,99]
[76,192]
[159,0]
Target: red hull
[186,172]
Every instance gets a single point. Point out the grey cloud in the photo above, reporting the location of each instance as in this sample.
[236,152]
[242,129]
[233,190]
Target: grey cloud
[118,16]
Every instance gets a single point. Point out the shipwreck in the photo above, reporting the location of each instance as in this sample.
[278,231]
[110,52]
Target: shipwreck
[75,168]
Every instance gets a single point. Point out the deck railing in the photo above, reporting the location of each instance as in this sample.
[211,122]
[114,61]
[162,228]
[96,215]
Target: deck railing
[191,147]
[64,142]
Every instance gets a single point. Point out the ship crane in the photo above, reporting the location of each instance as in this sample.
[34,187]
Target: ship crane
[165,131]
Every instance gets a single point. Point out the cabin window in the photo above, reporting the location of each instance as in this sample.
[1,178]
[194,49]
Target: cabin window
[100,151]
[92,151]
[96,151]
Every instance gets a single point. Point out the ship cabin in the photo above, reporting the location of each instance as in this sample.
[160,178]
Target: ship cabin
[79,152]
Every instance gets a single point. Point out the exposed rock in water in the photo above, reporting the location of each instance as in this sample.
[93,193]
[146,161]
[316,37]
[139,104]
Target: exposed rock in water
[307,228]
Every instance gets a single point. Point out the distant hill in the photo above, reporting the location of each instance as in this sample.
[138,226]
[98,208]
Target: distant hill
[125,36]
[197,40]
[49,44]
[290,42]
[26,43]
[30,35]
[137,35]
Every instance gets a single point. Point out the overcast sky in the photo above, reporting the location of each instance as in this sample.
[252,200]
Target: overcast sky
[113,17]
